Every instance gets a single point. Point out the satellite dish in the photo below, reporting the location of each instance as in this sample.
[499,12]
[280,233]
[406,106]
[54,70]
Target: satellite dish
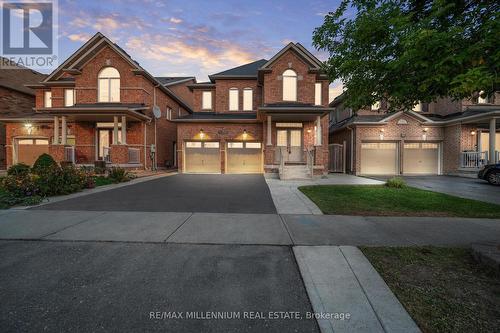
[156,111]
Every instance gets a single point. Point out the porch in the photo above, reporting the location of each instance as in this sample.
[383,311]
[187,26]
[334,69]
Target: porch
[485,137]
[82,138]
[296,142]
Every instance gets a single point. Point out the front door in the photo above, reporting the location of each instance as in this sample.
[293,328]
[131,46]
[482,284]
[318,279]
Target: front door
[105,140]
[291,140]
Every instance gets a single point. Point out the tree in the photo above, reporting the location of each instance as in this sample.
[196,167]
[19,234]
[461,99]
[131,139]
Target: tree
[411,51]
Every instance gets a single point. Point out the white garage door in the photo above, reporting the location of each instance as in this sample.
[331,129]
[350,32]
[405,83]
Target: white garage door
[421,158]
[202,157]
[244,157]
[379,158]
[28,150]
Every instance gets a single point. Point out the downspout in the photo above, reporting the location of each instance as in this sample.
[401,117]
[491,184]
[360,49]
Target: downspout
[351,157]
[156,147]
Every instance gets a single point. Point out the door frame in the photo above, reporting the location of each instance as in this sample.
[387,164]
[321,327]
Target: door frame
[261,150]
[203,146]
[288,131]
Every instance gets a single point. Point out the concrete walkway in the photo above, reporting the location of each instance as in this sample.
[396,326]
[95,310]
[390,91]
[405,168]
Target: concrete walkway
[342,282]
[289,200]
[257,229]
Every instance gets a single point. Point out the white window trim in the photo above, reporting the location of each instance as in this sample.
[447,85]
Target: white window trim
[66,104]
[246,102]
[234,105]
[294,77]
[47,99]
[108,80]
[318,87]
[204,103]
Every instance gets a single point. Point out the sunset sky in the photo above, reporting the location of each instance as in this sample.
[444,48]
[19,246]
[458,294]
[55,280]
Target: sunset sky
[186,37]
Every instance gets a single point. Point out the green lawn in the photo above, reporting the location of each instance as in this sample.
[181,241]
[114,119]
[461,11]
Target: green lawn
[101,180]
[443,289]
[387,201]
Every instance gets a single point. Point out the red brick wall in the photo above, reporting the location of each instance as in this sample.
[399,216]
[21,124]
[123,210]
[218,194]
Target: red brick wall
[273,86]
[197,99]
[222,132]
[183,91]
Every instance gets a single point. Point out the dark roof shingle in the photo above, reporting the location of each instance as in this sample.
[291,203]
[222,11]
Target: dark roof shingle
[16,77]
[250,69]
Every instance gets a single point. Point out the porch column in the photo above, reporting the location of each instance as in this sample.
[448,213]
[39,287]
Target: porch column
[115,130]
[124,130]
[55,140]
[269,129]
[479,142]
[493,130]
[318,131]
[64,130]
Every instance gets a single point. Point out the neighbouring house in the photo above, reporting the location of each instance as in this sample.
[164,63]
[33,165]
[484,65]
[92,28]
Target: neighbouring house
[443,137]
[267,116]
[100,104]
[16,100]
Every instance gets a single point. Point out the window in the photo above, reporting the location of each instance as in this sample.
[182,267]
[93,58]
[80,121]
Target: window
[289,85]
[317,93]
[193,144]
[253,145]
[206,100]
[296,125]
[375,106]
[417,107]
[247,99]
[69,97]
[47,99]
[109,85]
[235,145]
[169,113]
[211,145]
[233,99]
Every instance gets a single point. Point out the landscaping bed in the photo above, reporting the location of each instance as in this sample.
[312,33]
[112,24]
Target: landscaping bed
[443,289]
[381,200]
[25,185]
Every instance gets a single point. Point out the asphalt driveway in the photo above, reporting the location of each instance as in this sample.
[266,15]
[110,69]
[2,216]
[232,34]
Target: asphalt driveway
[180,193]
[102,287]
[469,188]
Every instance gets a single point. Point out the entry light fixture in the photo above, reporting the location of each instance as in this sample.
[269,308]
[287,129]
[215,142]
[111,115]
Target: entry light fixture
[426,130]
[472,132]
[381,135]
[29,127]
[202,134]
[245,135]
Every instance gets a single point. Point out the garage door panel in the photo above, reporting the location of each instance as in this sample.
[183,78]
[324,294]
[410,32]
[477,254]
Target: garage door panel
[244,157]
[28,150]
[202,157]
[421,158]
[379,158]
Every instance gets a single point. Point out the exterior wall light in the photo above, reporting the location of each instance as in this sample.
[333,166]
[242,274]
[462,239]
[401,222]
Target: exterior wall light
[424,135]
[202,134]
[472,132]
[29,127]
[245,134]
[381,135]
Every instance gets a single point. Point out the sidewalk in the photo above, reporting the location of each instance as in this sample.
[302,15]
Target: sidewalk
[255,229]
[289,200]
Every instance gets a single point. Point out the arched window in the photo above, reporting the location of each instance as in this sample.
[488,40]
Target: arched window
[109,85]
[289,85]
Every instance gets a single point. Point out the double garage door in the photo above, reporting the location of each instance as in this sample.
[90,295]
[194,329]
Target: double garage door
[205,157]
[382,158]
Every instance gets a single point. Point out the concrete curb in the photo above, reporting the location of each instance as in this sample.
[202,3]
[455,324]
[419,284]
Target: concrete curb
[99,189]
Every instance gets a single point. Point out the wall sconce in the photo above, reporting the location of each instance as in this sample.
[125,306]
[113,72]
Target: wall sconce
[472,132]
[308,130]
[202,135]
[381,135]
[424,135]
[245,135]
[29,127]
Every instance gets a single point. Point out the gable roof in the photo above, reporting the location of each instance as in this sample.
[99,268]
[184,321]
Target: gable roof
[173,80]
[247,70]
[16,77]
[89,50]
[301,51]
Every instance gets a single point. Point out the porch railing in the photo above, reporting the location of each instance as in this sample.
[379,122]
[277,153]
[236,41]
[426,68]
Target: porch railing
[473,159]
[134,155]
[69,154]
[106,156]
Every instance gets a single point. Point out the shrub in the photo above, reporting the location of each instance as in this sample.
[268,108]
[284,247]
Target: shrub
[61,180]
[42,163]
[21,186]
[8,200]
[119,175]
[396,182]
[19,170]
